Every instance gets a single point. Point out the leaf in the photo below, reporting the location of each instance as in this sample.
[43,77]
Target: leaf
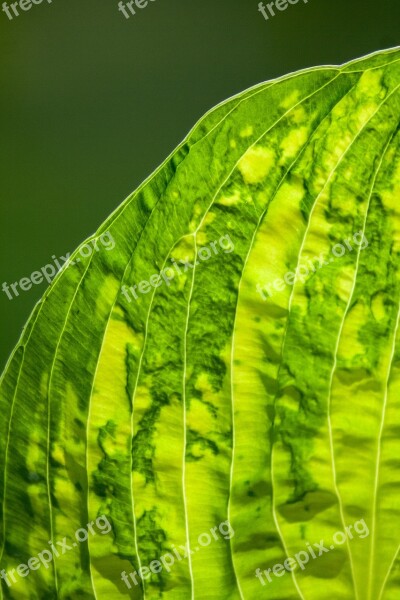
[239,388]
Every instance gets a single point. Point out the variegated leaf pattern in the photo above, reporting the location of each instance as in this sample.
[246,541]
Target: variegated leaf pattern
[201,401]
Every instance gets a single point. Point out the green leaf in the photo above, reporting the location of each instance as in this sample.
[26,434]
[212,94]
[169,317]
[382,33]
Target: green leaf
[240,389]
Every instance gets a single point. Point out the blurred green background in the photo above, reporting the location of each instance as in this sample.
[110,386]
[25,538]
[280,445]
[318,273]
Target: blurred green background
[91,103]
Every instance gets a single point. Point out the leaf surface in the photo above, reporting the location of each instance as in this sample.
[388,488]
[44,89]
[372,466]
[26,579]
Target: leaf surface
[202,400]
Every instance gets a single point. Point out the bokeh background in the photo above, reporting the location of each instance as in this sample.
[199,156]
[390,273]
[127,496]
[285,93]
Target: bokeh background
[91,103]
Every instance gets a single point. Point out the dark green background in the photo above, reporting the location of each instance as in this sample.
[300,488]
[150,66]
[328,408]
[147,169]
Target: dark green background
[91,103]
